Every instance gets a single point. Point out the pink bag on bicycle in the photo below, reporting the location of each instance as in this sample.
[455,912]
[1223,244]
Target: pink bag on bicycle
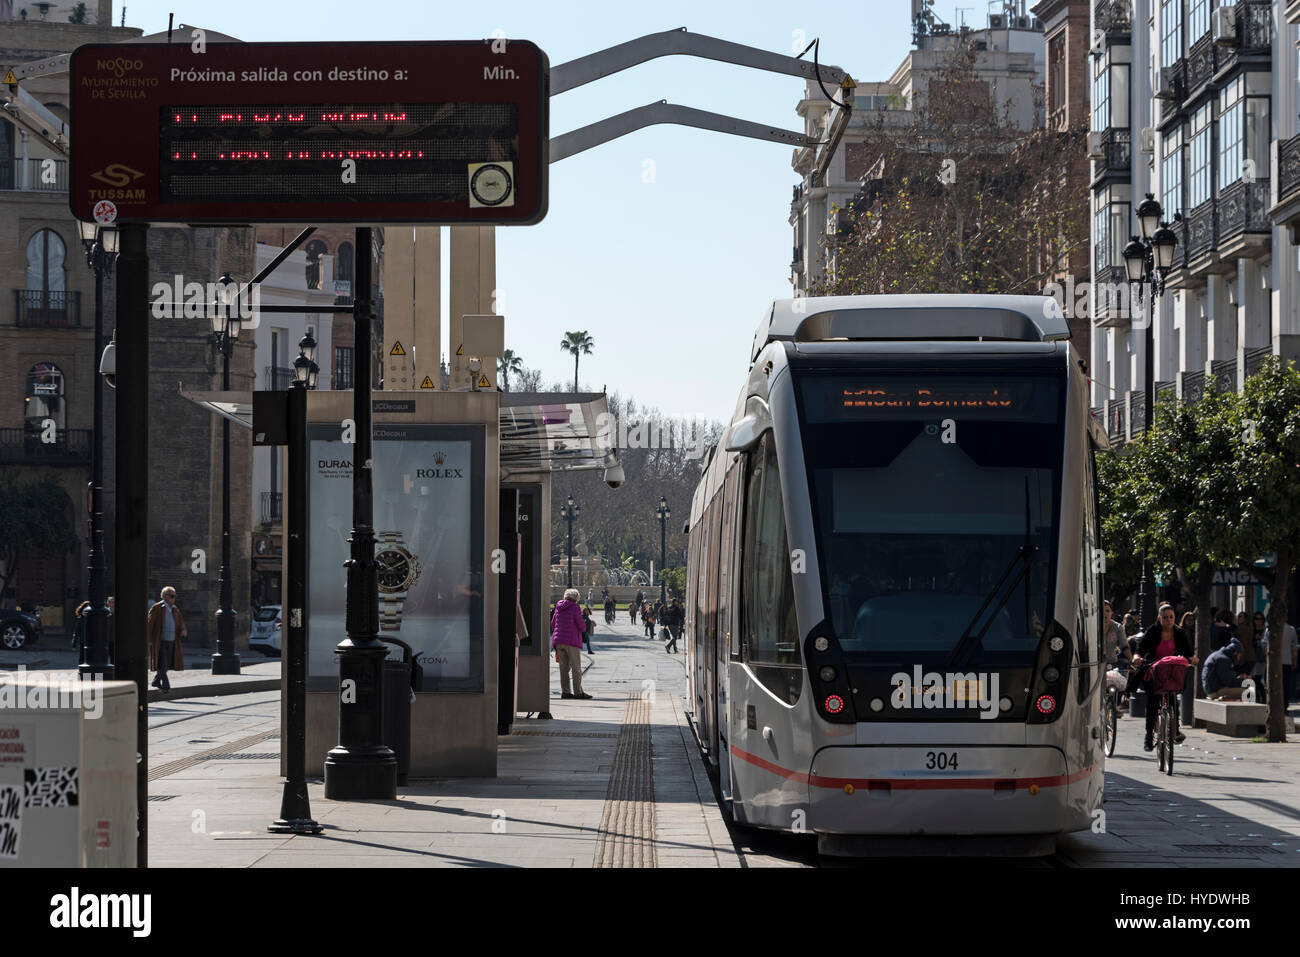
[1166,675]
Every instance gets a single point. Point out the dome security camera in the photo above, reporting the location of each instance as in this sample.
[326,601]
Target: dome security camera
[614,476]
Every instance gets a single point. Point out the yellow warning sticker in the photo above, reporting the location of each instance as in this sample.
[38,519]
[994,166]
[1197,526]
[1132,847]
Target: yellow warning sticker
[483,382]
[397,349]
[460,349]
[427,383]
[10,79]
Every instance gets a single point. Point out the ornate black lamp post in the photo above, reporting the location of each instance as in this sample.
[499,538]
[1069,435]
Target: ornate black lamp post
[225,331]
[663,513]
[101,244]
[1148,259]
[570,511]
[295,806]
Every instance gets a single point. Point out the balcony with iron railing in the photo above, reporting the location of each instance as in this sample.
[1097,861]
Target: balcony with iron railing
[1288,169]
[1113,17]
[1116,420]
[1254,19]
[1137,412]
[1255,359]
[278,377]
[47,308]
[1172,91]
[1225,374]
[1193,386]
[1242,208]
[1200,230]
[272,507]
[1202,63]
[23,446]
[1116,155]
[36,175]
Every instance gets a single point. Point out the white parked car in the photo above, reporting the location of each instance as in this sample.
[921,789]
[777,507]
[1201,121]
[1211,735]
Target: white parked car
[265,633]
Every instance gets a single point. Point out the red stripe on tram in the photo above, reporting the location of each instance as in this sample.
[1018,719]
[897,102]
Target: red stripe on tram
[912,784]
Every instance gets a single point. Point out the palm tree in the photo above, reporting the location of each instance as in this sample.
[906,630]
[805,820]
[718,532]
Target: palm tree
[576,343]
[508,363]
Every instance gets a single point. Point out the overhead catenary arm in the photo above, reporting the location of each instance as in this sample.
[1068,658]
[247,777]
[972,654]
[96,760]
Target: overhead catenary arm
[575,73]
[568,144]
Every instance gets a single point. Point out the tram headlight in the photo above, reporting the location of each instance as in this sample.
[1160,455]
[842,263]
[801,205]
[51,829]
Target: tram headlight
[834,704]
[821,644]
[1057,643]
[1051,675]
[827,674]
[1045,704]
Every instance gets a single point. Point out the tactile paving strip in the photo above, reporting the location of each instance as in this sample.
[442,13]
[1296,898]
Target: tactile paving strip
[224,749]
[627,824]
[564,734]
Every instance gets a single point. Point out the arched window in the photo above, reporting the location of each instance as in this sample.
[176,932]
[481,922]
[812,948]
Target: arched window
[46,271]
[315,250]
[343,263]
[44,401]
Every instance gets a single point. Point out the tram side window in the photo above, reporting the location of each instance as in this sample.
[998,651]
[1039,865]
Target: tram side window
[771,644]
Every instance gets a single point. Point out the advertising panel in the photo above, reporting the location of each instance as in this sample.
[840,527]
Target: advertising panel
[428,521]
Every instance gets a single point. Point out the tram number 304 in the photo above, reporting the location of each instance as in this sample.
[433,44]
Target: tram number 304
[940,760]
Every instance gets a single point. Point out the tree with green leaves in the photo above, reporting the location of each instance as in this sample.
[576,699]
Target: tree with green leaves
[78,14]
[1117,496]
[1266,515]
[1184,483]
[578,343]
[509,364]
[33,515]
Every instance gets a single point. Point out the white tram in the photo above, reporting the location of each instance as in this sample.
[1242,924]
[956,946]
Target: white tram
[892,600]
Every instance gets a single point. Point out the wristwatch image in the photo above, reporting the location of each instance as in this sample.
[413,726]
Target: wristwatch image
[397,570]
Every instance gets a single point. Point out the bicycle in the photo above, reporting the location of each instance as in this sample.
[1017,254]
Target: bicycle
[1110,720]
[1166,681]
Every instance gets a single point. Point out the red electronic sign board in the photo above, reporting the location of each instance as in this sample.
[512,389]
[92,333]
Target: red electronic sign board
[419,132]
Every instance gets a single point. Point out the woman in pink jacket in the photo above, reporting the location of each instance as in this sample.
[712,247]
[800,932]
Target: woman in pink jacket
[567,629]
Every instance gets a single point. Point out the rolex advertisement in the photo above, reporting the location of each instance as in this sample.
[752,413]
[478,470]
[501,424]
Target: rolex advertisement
[428,521]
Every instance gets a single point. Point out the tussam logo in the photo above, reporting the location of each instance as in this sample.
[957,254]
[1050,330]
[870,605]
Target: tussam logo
[75,910]
[116,174]
[946,691]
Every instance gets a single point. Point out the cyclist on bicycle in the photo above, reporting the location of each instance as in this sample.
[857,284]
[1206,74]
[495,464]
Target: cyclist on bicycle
[1161,640]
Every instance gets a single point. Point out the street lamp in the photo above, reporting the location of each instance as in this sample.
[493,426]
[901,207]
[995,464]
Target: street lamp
[101,244]
[570,511]
[225,322]
[663,512]
[1148,259]
[295,806]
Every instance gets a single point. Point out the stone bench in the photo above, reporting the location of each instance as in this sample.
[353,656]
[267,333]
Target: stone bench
[1236,719]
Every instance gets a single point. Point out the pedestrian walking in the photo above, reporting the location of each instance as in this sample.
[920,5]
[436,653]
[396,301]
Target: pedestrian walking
[567,629]
[648,616]
[79,625]
[1288,658]
[674,615]
[588,627]
[166,632]
[632,608]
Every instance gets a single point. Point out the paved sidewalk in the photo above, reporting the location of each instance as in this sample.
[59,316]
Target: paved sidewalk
[614,781]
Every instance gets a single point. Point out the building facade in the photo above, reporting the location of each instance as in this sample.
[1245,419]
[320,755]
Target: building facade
[1194,101]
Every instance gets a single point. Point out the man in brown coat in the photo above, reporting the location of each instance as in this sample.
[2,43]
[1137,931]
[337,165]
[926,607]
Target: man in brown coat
[166,629]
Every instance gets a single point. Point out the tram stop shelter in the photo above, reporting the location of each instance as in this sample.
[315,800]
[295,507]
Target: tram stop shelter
[462,508]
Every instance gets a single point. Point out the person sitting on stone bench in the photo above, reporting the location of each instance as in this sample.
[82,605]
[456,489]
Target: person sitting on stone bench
[1222,683]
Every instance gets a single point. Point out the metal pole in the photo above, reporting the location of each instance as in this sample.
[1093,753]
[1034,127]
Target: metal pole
[663,556]
[1147,587]
[131,512]
[225,661]
[361,768]
[295,806]
[94,644]
[570,549]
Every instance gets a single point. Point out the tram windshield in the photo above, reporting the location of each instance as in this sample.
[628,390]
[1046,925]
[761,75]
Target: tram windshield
[935,500]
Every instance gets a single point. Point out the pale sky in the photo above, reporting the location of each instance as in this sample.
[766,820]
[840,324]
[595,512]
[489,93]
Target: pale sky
[669,277]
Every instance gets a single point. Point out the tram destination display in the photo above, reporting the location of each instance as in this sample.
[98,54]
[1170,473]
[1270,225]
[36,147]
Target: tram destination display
[437,132]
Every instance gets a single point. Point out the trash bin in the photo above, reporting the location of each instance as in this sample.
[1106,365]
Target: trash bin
[1137,704]
[395,720]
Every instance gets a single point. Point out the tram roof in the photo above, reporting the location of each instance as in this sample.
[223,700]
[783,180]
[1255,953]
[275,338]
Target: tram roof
[924,317]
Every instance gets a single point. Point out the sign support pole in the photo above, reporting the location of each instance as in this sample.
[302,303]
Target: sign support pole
[360,767]
[295,806]
[131,512]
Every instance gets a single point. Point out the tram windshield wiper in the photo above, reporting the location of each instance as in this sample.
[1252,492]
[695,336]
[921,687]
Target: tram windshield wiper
[1024,554]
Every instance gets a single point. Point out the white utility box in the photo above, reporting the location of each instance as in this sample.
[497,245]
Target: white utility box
[67,771]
